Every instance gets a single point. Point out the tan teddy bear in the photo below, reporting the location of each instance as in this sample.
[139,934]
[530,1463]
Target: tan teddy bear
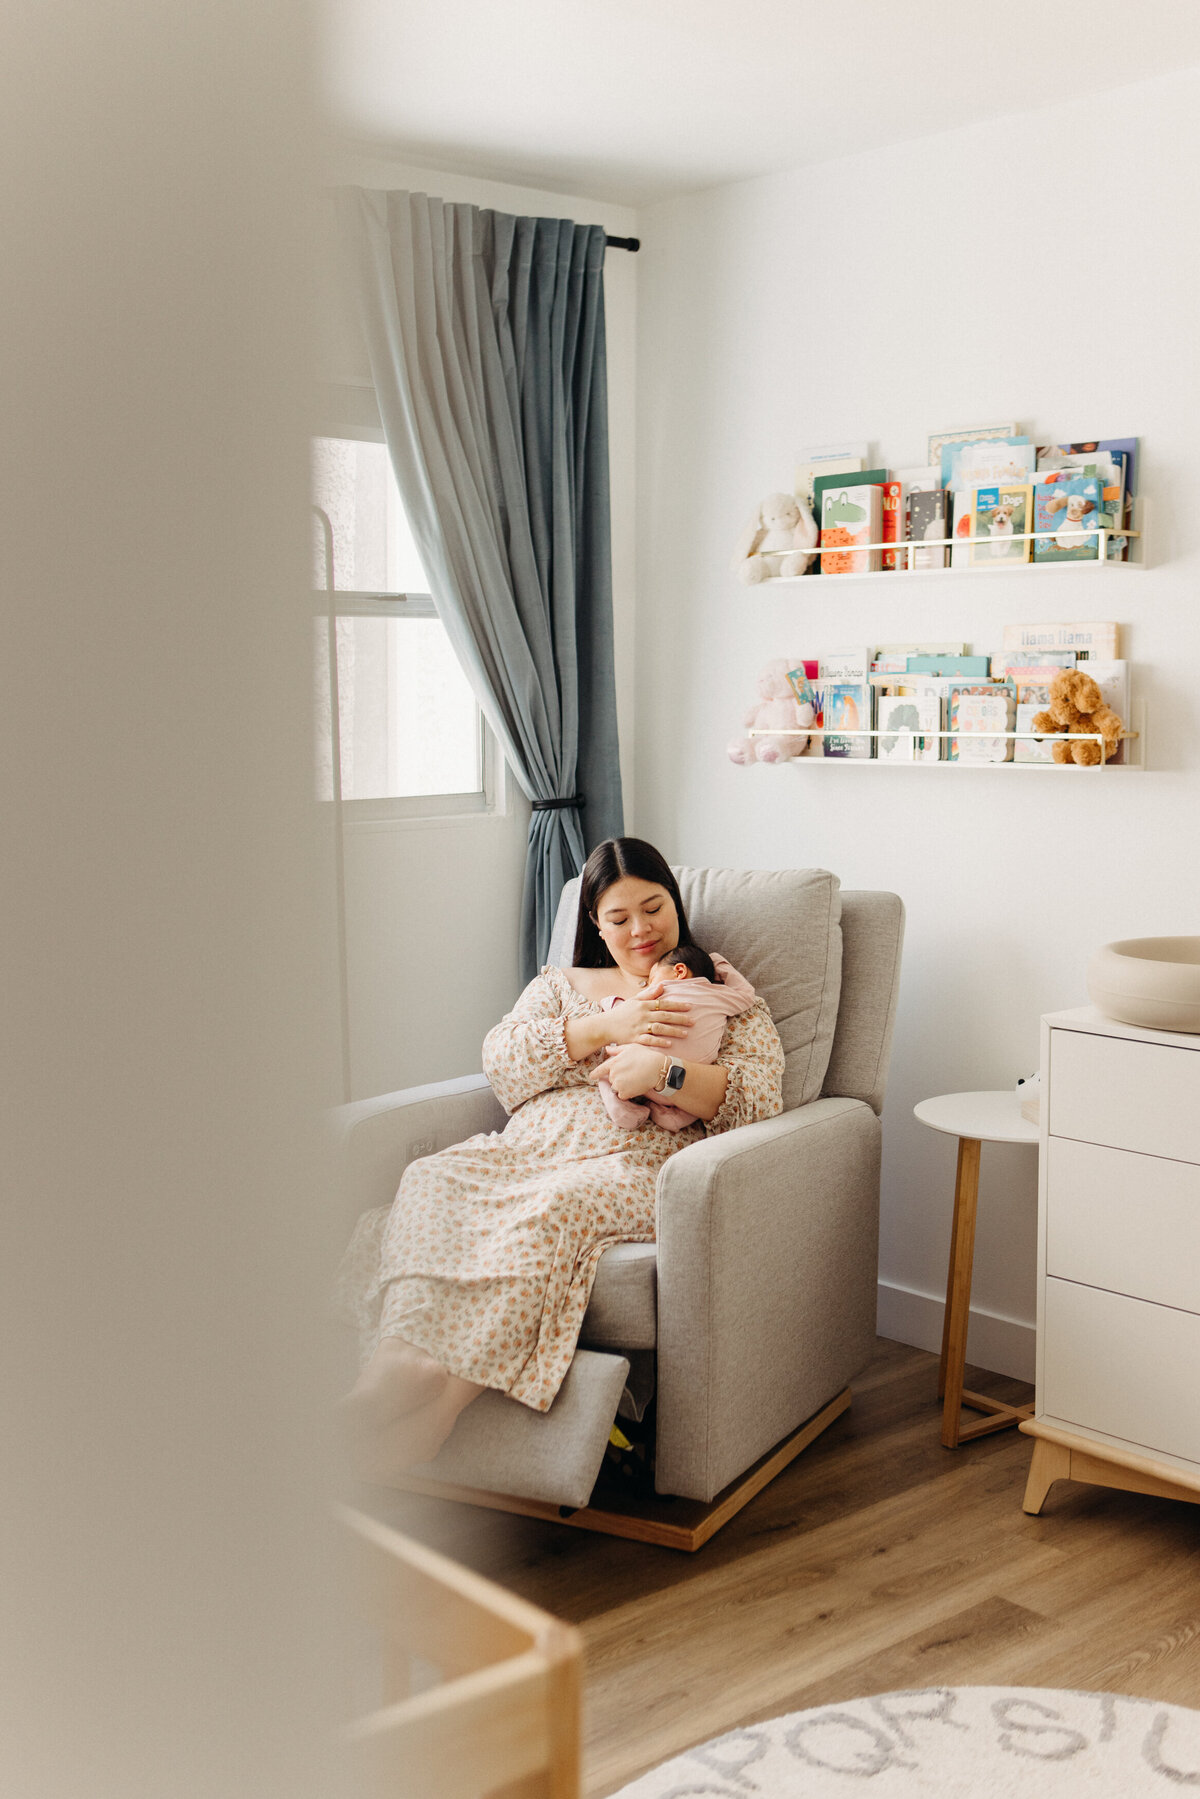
[1076,704]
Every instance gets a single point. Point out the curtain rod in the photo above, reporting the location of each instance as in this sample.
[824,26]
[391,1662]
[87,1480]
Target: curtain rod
[623,243]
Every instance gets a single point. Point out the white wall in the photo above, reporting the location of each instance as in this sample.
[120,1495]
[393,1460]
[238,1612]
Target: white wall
[413,890]
[1045,268]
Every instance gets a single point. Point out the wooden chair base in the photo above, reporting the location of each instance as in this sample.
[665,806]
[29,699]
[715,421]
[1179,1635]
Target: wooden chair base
[685,1524]
[1060,1455]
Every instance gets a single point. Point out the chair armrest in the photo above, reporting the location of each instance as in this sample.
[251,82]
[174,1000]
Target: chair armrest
[374,1140]
[767,1273]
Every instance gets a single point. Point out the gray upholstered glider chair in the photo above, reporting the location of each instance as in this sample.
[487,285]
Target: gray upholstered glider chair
[755,1306]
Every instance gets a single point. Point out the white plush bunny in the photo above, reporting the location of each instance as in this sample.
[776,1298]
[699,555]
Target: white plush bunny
[779,540]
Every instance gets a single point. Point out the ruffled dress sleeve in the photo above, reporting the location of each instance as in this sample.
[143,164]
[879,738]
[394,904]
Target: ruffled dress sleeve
[526,1053]
[753,1056]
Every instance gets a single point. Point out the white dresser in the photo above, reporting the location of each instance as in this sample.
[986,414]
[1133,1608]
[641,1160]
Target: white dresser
[1118,1350]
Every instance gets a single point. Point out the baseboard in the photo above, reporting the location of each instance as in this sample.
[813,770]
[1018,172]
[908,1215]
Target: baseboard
[1003,1345]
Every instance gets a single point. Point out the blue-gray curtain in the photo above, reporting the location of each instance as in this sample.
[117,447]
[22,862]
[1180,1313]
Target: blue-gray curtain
[486,339]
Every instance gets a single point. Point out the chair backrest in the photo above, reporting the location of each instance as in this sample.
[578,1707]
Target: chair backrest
[830,983]
[872,939]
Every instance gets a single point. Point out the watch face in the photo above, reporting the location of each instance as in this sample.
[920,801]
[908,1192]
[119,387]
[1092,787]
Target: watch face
[676,1075]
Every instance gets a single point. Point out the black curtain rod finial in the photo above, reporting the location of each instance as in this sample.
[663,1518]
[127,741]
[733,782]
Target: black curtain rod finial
[623,243]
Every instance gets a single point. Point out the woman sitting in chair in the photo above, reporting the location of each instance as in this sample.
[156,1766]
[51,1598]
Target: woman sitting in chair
[480,1273]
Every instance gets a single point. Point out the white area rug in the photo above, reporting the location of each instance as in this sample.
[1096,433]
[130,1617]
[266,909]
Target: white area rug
[947,1741]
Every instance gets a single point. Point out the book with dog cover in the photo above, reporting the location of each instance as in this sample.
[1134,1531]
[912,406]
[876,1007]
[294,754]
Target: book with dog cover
[1001,515]
[1115,457]
[1066,518]
[1109,469]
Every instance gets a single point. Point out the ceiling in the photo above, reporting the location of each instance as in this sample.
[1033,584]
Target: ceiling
[634,101]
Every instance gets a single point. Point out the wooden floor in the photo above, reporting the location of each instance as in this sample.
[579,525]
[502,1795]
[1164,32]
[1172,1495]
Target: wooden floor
[878,1560]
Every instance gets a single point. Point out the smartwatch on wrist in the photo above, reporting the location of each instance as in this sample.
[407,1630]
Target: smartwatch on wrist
[673,1076]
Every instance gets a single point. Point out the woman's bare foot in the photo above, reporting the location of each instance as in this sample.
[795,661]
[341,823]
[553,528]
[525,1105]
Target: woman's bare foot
[399,1378]
[383,1455]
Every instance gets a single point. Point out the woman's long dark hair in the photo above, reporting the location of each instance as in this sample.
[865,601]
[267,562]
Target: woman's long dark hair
[611,861]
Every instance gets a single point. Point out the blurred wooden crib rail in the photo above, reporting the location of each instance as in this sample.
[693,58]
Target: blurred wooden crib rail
[503,1718]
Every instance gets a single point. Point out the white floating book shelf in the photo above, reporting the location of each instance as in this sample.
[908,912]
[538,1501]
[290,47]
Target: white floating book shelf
[910,548]
[1134,744]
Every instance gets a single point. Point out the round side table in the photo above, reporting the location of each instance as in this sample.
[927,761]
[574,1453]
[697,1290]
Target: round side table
[975,1119]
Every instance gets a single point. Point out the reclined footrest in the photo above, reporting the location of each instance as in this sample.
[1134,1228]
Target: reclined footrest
[501,1446]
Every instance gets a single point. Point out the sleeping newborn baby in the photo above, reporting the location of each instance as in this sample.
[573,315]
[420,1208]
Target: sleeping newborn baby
[716,992]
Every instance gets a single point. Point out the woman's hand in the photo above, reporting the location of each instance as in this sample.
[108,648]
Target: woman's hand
[651,1019]
[632,1071]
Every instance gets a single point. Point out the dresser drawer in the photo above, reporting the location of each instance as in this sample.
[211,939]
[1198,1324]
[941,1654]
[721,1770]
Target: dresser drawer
[1124,1221]
[1127,1095]
[1123,1367]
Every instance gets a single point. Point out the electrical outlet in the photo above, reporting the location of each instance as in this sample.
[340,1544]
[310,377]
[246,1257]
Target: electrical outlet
[416,1150]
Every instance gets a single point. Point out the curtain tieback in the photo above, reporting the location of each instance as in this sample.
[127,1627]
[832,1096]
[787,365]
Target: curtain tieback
[574,803]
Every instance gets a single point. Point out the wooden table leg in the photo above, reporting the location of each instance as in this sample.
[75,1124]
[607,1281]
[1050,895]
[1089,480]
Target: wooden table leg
[958,1288]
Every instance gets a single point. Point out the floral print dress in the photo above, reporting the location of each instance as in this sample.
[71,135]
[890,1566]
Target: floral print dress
[487,1255]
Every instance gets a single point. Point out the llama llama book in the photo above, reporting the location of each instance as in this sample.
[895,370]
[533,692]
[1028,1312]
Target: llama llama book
[1099,640]
[851,520]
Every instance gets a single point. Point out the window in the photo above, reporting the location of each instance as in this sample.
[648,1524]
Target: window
[411,741]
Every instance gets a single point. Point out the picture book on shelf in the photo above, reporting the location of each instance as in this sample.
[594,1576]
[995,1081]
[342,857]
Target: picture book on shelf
[974,745]
[988,462]
[940,440]
[971,666]
[851,519]
[1124,449]
[975,716]
[893,524]
[1100,640]
[1009,660]
[853,664]
[1066,519]
[837,459]
[1001,515]
[803,679]
[893,658]
[1112,678]
[847,709]
[1031,683]
[1026,749]
[908,726]
[1059,464]
[927,519]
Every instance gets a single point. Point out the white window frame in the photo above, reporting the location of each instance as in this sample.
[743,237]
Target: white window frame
[489,800]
